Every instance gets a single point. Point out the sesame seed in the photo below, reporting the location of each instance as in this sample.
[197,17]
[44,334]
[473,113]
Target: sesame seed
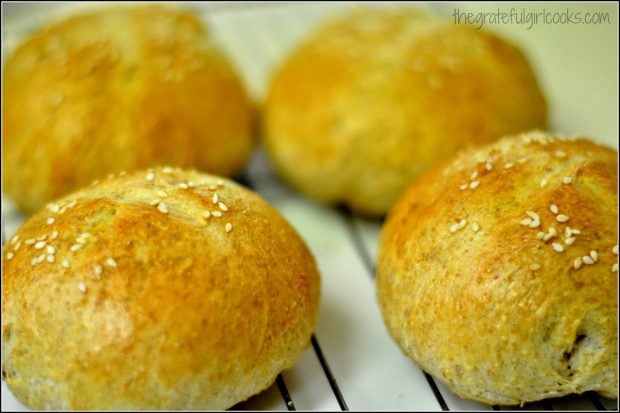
[82,288]
[488,166]
[216,214]
[98,270]
[525,221]
[562,218]
[191,184]
[454,228]
[533,215]
[228,227]
[34,261]
[540,235]
[183,185]
[161,194]
[554,208]
[474,184]
[51,258]
[569,241]
[50,220]
[587,260]
[9,256]
[14,239]
[219,183]
[154,202]
[462,223]
[150,176]
[16,247]
[162,208]
[534,267]
[543,183]
[534,224]
[560,154]
[54,208]
[65,263]
[567,180]
[51,249]
[215,199]
[42,237]
[474,175]
[29,241]
[575,231]
[463,187]
[111,262]
[615,250]
[567,232]
[508,165]
[75,247]
[594,255]
[206,214]
[222,206]
[167,170]
[39,245]
[475,227]
[557,247]
[614,268]
[577,263]
[54,234]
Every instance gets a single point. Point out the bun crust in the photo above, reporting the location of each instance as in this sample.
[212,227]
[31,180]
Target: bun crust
[119,89]
[160,307]
[475,290]
[375,98]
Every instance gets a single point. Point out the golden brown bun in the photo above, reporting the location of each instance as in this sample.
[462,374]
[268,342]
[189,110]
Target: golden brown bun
[186,316]
[375,98]
[490,308]
[119,89]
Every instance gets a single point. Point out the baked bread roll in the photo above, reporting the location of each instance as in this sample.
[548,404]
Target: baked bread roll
[118,89]
[376,97]
[127,295]
[498,272]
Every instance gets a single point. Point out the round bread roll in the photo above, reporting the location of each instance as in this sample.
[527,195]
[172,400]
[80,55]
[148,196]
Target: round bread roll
[498,273]
[118,89]
[373,99]
[163,289]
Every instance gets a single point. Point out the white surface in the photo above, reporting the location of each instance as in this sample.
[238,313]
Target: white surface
[578,70]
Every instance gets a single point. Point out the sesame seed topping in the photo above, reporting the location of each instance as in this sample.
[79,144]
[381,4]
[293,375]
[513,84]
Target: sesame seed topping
[14,239]
[98,270]
[82,288]
[162,208]
[228,227]
[525,221]
[183,185]
[65,263]
[222,206]
[474,175]
[75,247]
[508,165]
[150,176]
[51,258]
[587,260]
[454,228]
[39,245]
[167,170]
[567,180]
[16,247]
[219,183]
[614,268]
[475,227]
[533,215]
[557,247]
[54,234]
[560,154]
[216,214]
[51,249]
[575,231]
[554,208]
[42,237]
[594,255]
[111,262]
[50,220]
[535,267]
[54,208]
[488,166]
[562,218]
[212,187]
[206,214]
[9,256]
[543,183]
[540,235]
[215,199]
[30,241]
[569,241]
[534,224]
[474,184]
[161,194]
[463,187]
[191,184]
[154,202]
[615,250]
[577,263]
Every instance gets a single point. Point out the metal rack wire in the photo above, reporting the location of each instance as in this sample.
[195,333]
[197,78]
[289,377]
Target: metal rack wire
[351,362]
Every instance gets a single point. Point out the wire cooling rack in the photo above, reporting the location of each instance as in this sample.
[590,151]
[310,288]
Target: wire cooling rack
[352,363]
